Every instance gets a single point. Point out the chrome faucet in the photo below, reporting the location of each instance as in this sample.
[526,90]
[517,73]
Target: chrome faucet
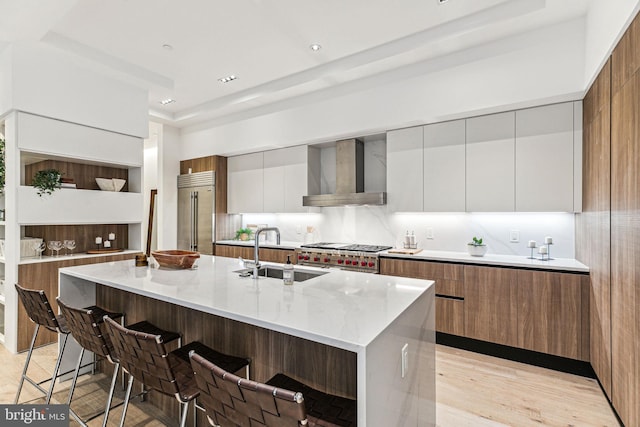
[256,247]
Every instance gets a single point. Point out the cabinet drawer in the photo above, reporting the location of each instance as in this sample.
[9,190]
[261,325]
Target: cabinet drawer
[450,316]
[451,288]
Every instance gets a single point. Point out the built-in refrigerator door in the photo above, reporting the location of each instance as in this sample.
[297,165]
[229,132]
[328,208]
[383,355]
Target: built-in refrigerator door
[205,219]
[185,222]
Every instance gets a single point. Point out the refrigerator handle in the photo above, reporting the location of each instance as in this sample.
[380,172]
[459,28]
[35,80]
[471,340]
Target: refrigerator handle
[195,221]
[191,194]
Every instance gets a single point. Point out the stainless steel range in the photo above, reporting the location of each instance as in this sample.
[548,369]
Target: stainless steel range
[341,255]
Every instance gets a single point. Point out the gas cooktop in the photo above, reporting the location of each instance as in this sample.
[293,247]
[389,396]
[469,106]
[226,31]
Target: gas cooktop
[346,247]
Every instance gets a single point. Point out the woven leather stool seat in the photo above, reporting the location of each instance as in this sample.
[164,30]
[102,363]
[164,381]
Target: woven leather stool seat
[146,359]
[321,407]
[282,402]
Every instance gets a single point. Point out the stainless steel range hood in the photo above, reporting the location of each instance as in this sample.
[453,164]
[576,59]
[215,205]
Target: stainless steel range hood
[349,180]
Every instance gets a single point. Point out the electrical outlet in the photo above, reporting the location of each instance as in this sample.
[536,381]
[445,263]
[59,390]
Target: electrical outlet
[430,233]
[514,236]
[298,229]
[405,359]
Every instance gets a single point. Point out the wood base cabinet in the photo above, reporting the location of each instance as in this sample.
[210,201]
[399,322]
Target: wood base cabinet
[449,288]
[265,254]
[491,309]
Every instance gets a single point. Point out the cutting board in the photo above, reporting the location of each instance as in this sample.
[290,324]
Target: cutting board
[404,251]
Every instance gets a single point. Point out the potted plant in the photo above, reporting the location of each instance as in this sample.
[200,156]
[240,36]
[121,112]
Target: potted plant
[476,247]
[46,181]
[243,234]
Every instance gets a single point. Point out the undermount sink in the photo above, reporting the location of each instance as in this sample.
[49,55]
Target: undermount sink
[275,272]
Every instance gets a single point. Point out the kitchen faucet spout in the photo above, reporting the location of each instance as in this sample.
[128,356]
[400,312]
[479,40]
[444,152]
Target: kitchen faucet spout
[256,247]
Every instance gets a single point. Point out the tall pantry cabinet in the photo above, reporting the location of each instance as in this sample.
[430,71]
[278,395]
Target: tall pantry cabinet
[608,232]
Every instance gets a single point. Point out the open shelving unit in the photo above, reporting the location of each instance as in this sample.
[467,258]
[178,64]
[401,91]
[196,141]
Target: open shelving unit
[80,152]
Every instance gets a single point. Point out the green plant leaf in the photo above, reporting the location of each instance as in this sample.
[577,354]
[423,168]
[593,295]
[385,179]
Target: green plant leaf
[46,181]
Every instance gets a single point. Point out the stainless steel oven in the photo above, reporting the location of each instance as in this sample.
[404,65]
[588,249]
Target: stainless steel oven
[354,257]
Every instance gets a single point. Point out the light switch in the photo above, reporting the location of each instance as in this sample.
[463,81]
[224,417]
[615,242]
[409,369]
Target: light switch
[514,236]
[429,233]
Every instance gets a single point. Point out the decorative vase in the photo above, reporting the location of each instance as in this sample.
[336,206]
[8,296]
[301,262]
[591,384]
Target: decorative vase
[477,250]
[244,237]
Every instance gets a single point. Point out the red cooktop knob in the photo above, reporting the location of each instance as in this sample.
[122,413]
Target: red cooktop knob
[316,259]
[340,261]
[363,263]
[371,264]
[326,260]
[306,257]
[300,257]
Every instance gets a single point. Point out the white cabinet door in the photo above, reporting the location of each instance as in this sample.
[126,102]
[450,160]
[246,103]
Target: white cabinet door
[544,159]
[490,165]
[285,179]
[274,165]
[444,172]
[245,185]
[405,170]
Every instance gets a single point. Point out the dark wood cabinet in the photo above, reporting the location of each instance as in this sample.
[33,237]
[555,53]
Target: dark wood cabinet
[449,288]
[491,310]
[550,313]
[246,252]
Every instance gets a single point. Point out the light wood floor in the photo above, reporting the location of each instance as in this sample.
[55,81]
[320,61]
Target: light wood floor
[472,390]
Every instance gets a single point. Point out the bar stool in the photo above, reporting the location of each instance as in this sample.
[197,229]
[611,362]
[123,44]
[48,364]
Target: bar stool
[39,310]
[146,359]
[280,402]
[86,326]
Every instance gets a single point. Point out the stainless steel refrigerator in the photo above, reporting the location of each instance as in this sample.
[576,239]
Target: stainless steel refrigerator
[196,212]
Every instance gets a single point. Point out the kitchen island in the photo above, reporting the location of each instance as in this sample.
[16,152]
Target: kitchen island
[342,332]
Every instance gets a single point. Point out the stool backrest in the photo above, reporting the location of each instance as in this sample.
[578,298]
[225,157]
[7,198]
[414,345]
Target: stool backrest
[229,398]
[143,356]
[84,325]
[38,309]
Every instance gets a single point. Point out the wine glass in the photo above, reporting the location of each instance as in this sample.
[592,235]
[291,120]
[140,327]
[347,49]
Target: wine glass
[69,245]
[55,245]
[38,247]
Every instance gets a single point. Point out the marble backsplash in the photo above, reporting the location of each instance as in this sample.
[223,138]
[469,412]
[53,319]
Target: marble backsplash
[451,231]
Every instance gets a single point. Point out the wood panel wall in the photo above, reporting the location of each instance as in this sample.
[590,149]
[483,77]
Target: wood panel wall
[625,225]
[83,175]
[327,368]
[84,235]
[44,275]
[593,225]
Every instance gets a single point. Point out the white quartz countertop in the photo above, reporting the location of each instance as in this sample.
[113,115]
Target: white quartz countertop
[343,309]
[270,245]
[563,264]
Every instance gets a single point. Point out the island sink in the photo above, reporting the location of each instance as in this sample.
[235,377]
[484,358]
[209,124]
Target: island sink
[275,272]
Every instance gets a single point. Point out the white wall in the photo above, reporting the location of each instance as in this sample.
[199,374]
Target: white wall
[451,231]
[150,182]
[168,169]
[49,82]
[606,22]
[538,67]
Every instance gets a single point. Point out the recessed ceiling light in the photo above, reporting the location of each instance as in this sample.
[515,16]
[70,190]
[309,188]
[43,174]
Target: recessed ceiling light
[315,47]
[167,46]
[227,79]
[442,1]
[167,101]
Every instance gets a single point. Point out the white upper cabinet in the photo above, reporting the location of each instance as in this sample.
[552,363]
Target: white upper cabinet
[444,167]
[287,178]
[245,185]
[545,158]
[273,181]
[405,180]
[490,169]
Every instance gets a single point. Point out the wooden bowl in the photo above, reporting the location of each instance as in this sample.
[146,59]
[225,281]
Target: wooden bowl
[175,258]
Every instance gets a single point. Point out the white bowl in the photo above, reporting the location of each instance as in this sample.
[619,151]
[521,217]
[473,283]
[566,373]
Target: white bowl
[110,184]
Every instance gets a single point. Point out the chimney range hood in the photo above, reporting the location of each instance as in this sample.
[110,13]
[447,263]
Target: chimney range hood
[349,180]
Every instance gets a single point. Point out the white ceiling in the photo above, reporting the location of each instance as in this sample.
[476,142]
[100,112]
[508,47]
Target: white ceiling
[265,43]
